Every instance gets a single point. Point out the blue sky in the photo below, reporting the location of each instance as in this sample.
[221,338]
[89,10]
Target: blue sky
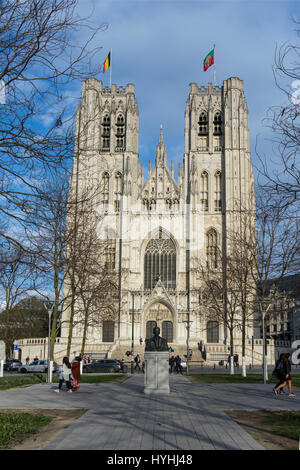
[160,46]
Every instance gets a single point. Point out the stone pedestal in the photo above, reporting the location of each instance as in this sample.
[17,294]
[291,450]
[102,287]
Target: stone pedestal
[157,373]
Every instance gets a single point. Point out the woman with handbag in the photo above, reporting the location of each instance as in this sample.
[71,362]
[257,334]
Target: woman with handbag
[64,375]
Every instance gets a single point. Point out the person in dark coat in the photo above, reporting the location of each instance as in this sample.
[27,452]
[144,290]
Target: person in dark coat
[137,361]
[285,376]
[178,367]
[172,364]
[277,372]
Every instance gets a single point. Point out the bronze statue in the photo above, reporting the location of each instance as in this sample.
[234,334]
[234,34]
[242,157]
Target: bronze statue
[156,343]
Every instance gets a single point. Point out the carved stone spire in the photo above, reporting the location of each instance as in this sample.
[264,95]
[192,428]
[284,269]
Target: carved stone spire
[161,152]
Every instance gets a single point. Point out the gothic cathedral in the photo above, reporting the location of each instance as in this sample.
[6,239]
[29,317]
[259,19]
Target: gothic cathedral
[161,227]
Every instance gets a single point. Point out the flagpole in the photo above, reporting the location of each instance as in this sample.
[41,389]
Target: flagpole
[214,64]
[110,65]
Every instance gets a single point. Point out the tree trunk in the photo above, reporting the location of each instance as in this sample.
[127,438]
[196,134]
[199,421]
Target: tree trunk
[84,337]
[244,345]
[231,351]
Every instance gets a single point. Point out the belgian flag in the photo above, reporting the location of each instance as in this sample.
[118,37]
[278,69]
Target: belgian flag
[106,63]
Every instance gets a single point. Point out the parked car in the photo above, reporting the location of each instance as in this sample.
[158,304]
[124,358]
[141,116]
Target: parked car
[105,365]
[12,364]
[37,366]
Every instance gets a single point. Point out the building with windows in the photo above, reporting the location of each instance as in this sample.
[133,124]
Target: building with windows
[284,316]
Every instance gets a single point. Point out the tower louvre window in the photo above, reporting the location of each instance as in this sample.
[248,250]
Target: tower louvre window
[105,133]
[203,124]
[217,123]
[120,132]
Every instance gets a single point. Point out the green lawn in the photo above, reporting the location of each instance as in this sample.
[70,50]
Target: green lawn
[15,427]
[94,379]
[285,423]
[238,379]
[31,379]
[21,381]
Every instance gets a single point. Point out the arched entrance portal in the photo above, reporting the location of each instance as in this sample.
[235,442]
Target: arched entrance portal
[159,315]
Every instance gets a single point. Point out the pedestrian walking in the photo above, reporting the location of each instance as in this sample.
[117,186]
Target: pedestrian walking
[137,361]
[27,360]
[285,376]
[84,359]
[288,368]
[141,340]
[64,375]
[172,364]
[75,367]
[278,372]
[178,367]
[236,360]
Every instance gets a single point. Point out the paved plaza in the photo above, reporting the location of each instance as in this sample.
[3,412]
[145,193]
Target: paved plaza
[121,417]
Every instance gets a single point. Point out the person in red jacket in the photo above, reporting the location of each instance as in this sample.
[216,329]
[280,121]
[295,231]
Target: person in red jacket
[76,370]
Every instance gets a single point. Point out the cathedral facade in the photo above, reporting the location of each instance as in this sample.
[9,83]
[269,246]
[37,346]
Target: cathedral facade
[161,227]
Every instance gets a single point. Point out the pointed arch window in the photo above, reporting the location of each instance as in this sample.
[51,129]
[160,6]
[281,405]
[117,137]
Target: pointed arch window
[120,132]
[105,190]
[212,332]
[212,249]
[160,262]
[108,331]
[204,190]
[167,331]
[105,133]
[117,191]
[217,184]
[110,250]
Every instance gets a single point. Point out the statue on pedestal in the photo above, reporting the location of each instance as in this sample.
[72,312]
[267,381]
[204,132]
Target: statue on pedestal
[156,343]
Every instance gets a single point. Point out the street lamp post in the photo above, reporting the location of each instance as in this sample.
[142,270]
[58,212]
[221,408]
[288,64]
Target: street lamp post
[132,331]
[49,306]
[265,361]
[188,322]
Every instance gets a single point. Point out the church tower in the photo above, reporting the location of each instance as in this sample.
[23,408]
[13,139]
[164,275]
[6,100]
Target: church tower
[107,140]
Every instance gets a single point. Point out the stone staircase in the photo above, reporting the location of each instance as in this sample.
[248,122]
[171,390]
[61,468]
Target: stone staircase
[118,351]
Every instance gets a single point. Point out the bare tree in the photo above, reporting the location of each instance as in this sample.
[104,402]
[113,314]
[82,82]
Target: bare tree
[41,54]
[281,171]
[241,271]
[26,319]
[220,297]
[15,282]
[94,276]
[277,252]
